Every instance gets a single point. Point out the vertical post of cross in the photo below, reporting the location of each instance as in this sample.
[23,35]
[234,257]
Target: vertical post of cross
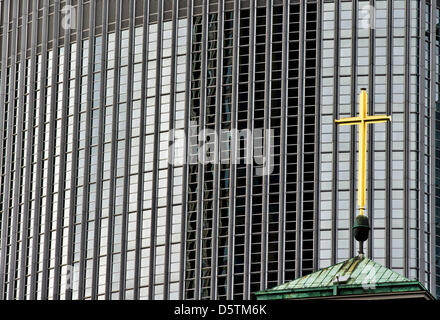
[362,171]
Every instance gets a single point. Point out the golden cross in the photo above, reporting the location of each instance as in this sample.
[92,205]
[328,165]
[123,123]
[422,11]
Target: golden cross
[362,121]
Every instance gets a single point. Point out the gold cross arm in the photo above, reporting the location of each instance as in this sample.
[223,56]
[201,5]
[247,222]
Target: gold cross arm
[358,120]
[363,120]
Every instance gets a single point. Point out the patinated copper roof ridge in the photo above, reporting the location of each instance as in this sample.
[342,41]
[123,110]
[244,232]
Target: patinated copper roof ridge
[360,271]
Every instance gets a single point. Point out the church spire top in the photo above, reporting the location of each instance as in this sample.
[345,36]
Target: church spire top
[361,226]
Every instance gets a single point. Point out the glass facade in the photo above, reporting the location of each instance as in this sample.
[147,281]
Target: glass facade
[242,80]
[387,48]
[98,88]
[187,149]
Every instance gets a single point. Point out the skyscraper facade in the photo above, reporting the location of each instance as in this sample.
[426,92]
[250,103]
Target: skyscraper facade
[187,149]
[392,49]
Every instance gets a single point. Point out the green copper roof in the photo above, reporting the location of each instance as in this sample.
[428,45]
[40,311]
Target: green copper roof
[357,275]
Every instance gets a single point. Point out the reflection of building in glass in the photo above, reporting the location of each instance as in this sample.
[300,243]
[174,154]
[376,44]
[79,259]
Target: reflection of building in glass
[93,115]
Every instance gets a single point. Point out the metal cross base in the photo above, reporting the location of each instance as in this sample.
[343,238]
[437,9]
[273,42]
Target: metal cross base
[361,249]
